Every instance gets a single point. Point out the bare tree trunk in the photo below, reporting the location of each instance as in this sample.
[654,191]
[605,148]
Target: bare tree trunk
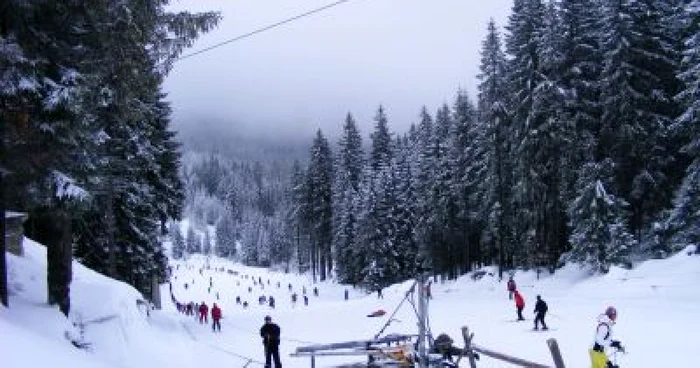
[52,227]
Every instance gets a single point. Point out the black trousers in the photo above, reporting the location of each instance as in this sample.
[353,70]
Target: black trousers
[216,325]
[272,352]
[540,318]
[520,313]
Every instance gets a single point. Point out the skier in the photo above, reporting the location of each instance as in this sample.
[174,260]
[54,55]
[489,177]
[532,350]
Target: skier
[603,338]
[270,333]
[379,294]
[428,292]
[315,291]
[203,313]
[540,311]
[306,300]
[519,304]
[271,300]
[346,294]
[215,318]
[511,287]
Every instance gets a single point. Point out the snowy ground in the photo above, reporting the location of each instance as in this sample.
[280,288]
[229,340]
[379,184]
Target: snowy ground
[657,302]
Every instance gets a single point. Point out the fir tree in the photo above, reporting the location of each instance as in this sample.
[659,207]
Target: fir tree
[206,243]
[191,242]
[465,203]
[178,242]
[637,99]
[380,155]
[226,237]
[319,186]
[346,186]
[526,75]
[599,236]
[494,115]
[684,221]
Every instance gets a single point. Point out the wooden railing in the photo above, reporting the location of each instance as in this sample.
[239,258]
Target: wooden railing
[470,349]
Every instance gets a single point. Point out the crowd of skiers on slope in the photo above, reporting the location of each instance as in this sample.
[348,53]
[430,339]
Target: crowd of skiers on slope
[202,312]
[603,342]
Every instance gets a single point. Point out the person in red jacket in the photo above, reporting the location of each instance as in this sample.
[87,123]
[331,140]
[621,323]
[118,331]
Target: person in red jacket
[203,316]
[519,305]
[216,318]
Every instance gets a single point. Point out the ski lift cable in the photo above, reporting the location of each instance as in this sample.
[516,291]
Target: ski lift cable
[281,338]
[391,317]
[260,30]
[242,357]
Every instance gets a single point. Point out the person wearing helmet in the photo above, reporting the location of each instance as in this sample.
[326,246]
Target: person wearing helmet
[603,340]
[270,333]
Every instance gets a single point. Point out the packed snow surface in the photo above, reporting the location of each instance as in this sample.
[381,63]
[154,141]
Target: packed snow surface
[657,301]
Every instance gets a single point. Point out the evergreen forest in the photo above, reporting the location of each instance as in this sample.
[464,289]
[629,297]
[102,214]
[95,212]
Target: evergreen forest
[582,145]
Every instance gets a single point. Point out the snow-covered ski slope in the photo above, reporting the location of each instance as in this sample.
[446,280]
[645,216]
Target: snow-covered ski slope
[658,306]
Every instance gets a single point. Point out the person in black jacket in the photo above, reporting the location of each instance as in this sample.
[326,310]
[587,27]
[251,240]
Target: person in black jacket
[540,311]
[270,333]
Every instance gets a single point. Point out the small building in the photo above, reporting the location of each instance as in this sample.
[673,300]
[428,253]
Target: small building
[14,232]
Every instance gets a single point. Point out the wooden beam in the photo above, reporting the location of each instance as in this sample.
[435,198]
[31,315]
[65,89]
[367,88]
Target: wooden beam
[354,344]
[556,354]
[508,358]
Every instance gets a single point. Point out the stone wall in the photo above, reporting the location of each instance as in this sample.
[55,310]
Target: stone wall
[14,232]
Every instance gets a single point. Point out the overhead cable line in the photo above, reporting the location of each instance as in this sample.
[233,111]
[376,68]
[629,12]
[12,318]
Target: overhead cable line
[263,29]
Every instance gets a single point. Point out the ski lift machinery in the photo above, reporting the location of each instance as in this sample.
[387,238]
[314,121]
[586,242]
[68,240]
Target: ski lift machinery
[411,350]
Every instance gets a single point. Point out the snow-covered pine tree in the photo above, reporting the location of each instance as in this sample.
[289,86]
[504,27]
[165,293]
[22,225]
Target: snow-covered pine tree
[524,43]
[380,155]
[466,204]
[299,217]
[178,241]
[404,211]
[445,210]
[548,138]
[226,236]
[599,235]
[426,226]
[48,132]
[319,191]
[639,83]
[684,221]
[191,241]
[385,253]
[349,163]
[495,118]
[580,69]
[166,181]
[206,243]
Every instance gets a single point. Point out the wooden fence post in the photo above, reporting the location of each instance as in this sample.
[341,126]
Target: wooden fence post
[467,347]
[556,354]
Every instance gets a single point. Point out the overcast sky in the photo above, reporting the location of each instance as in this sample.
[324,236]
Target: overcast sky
[308,74]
